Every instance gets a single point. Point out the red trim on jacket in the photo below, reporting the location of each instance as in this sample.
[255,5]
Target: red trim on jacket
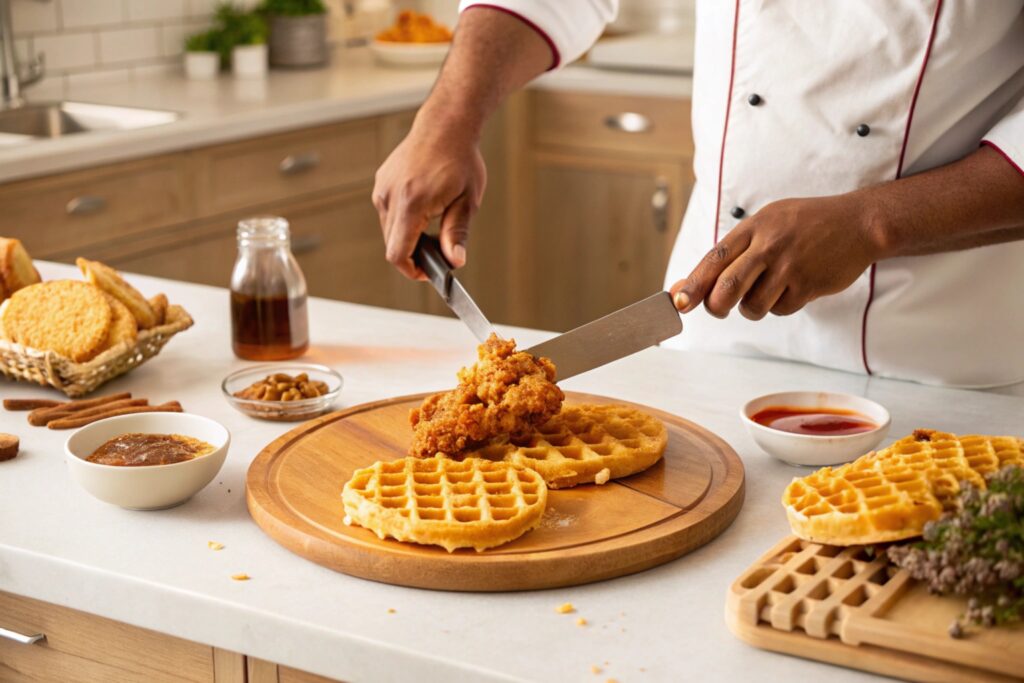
[555,54]
[899,173]
[989,143]
[725,127]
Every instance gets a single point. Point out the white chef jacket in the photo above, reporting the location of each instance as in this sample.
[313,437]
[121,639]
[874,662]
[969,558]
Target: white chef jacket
[927,81]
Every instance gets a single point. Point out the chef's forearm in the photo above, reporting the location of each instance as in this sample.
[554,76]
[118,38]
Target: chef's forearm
[976,201]
[493,54]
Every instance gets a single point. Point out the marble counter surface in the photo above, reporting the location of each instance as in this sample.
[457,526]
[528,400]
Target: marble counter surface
[230,109]
[153,569]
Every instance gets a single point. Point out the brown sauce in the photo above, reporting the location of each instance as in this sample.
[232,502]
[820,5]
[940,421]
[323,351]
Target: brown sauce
[139,450]
[268,328]
[820,421]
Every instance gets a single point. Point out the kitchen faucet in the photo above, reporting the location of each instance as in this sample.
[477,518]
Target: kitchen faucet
[11,81]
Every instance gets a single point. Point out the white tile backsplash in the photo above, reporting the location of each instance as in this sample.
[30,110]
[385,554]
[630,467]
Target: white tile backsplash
[66,51]
[76,14]
[150,10]
[33,16]
[129,44]
[99,41]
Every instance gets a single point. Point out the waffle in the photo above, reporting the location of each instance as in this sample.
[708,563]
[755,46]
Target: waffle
[470,503]
[891,494]
[586,444]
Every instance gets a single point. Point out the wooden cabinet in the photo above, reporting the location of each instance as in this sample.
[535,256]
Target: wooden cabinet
[89,649]
[585,194]
[605,184]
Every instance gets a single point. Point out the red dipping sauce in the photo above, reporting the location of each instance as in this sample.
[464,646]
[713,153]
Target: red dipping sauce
[820,421]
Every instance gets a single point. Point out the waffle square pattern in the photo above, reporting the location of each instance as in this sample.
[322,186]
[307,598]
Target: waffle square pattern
[469,503]
[585,444]
[891,494]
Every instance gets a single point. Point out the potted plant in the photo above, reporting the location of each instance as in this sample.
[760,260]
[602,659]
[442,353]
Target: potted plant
[298,32]
[202,60]
[244,41]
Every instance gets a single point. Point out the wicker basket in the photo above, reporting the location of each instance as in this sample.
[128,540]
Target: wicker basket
[77,379]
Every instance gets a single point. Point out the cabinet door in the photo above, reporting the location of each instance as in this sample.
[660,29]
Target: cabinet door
[335,238]
[601,234]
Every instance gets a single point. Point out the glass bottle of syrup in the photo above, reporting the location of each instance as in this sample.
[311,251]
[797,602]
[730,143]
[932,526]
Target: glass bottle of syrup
[268,293]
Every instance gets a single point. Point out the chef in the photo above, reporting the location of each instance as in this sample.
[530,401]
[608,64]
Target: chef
[859,196]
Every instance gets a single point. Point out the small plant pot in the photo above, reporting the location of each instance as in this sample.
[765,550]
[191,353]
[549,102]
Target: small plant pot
[249,61]
[298,41]
[202,66]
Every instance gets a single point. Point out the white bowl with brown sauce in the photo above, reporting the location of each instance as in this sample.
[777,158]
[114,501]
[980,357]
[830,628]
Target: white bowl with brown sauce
[141,480]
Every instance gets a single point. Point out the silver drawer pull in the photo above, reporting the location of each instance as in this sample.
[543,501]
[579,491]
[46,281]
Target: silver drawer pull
[297,163]
[659,205]
[21,638]
[629,122]
[85,205]
[303,244]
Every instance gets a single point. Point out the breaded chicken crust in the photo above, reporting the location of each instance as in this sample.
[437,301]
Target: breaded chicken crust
[507,393]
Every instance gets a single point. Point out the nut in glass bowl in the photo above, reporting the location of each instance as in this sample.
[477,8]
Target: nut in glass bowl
[283,391]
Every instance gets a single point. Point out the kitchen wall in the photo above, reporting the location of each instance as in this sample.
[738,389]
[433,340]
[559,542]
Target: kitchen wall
[97,41]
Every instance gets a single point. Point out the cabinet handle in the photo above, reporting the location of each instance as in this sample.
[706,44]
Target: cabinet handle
[294,164]
[629,122]
[306,243]
[21,638]
[659,205]
[85,205]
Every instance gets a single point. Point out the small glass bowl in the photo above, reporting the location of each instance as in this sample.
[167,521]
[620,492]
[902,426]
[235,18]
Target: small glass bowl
[282,411]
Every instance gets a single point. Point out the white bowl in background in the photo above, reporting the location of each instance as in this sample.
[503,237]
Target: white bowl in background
[409,54]
[809,449]
[149,487]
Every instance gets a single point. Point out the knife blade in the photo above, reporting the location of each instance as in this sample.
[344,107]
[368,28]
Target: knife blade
[431,261]
[616,335]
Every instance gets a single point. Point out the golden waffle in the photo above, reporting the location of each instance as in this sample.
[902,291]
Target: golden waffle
[890,494]
[586,443]
[470,503]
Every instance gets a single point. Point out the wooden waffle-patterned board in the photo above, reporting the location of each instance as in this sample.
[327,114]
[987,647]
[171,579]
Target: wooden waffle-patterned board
[848,607]
[588,533]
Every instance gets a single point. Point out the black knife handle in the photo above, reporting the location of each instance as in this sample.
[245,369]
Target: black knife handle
[430,260]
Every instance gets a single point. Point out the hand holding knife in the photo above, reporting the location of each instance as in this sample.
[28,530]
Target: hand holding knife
[616,335]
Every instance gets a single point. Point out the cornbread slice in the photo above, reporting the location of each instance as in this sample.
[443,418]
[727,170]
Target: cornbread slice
[16,268]
[108,279]
[123,327]
[67,317]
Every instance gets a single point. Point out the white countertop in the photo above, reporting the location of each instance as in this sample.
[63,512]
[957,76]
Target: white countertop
[153,569]
[229,109]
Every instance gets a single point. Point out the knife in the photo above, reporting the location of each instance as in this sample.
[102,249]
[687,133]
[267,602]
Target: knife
[431,261]
[612,337]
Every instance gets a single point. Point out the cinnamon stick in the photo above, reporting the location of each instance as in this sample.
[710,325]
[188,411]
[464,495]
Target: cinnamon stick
[75,421]
[30,403]
[97,410]
[40,416]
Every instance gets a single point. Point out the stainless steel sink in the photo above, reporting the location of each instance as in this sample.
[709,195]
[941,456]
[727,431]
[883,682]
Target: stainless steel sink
[57,119]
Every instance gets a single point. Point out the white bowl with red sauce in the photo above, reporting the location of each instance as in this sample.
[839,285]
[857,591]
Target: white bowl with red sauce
[146,487]
[815,428]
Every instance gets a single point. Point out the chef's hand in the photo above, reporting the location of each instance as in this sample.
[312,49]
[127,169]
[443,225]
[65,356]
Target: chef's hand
[781,258]
[436,172]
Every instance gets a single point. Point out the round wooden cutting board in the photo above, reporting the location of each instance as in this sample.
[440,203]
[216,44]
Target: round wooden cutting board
[588,533]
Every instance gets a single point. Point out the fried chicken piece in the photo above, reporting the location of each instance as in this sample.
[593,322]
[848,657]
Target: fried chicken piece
[507,393]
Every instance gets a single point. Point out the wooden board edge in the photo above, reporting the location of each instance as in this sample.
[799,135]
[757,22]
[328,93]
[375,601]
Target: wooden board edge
[878,660]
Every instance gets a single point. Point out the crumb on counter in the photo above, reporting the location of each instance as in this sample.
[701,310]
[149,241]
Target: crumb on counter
[565,608]
[240,577]
[214,545]
[595,669]
[581,622]
[391,610]
[603,476]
